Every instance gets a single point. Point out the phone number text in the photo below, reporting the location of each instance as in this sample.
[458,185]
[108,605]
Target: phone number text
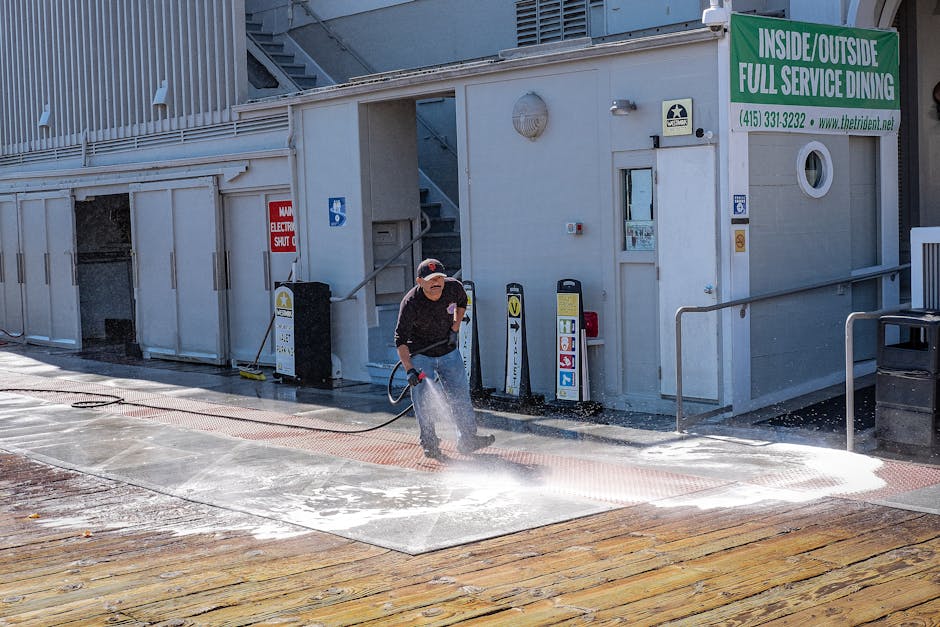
[755,118]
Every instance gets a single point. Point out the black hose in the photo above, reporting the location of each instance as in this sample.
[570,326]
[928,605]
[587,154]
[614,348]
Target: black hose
[113,399]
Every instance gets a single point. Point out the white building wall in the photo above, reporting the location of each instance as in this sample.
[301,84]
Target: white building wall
[329,166]
[822,12]
[519,195]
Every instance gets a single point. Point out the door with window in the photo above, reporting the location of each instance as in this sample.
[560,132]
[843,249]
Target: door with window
[634,190]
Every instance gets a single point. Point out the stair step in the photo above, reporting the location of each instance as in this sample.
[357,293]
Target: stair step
[443,225]
[379,373]
[281,57]
[450,259]
[294,68]
[306,81]
[442,241]
[272,47]
[261,38]
[433,209]
[253,27]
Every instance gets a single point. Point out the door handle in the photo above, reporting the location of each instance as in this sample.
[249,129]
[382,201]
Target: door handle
[74,267]
[134,276]
[215,272]
[3,274]
[172,270]
[266,261]
[20,273]
[45,262]
[228,270]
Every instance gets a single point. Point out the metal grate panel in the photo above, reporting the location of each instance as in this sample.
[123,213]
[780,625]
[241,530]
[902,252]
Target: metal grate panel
[931,275]
[544,21]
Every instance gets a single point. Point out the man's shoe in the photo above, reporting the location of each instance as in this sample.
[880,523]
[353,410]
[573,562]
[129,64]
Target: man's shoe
[475,443]
[433,452]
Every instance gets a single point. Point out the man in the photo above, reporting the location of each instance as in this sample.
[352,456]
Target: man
[426,340]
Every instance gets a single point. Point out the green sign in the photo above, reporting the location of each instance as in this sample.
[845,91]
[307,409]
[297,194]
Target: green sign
[799,76]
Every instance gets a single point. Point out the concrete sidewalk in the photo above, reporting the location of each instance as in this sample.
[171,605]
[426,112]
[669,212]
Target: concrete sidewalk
[210,436]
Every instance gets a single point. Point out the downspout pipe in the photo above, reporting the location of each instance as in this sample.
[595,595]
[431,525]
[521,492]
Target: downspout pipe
[297,267]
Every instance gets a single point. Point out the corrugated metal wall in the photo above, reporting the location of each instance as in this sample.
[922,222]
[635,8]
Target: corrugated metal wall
[97,64]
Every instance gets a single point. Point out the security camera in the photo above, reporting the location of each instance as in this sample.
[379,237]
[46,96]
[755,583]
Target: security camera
[715,17]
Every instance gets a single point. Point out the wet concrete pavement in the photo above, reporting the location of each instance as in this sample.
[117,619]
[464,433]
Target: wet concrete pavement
[207,435]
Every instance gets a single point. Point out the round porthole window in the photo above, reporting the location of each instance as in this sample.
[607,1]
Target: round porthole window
[814,169]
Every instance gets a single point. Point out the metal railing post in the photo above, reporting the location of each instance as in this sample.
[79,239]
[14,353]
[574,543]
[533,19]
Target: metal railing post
[374,273]
[680,418]
[850,366]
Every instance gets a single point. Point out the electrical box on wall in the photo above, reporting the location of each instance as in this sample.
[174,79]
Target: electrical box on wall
[574,228]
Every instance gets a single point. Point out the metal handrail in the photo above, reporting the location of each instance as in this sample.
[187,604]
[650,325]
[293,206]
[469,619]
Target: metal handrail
[850,366]
[743,302]
[372,275]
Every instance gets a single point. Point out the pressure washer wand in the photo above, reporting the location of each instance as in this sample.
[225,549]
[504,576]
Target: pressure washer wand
[394,400]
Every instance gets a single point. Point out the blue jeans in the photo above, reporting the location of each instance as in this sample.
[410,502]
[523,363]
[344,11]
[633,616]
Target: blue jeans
[455,392]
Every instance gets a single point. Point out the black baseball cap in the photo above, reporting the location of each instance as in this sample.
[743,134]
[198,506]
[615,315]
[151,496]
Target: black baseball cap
[430,268]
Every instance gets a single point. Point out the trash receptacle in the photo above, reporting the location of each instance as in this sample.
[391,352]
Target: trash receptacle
[907,385]
[302,336]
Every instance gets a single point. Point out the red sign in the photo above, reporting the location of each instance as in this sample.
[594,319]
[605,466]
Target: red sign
[281,226]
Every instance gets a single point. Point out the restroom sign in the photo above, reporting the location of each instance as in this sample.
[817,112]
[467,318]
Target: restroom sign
[281,226]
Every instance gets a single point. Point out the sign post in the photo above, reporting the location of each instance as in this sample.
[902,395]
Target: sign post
[572,386]
[569,319]
[284,331]
[469,343]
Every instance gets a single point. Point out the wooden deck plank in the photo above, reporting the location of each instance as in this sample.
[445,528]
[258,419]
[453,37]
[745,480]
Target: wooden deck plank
[922,615]
[579,569]
[591,584]
[870,603]
[795,563]
[829,587]
[554,567]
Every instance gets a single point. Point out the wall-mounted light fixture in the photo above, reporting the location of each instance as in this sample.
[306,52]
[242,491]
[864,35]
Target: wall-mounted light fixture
[44,118]
[530,115]
[622,107]
[160,96]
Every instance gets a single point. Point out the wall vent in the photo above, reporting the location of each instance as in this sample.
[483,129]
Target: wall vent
[925,268]
[274,123]
[543,21]
[931,276]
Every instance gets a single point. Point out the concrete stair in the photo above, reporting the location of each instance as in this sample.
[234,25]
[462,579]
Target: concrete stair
[276,52]
[442,241]
[382,353]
